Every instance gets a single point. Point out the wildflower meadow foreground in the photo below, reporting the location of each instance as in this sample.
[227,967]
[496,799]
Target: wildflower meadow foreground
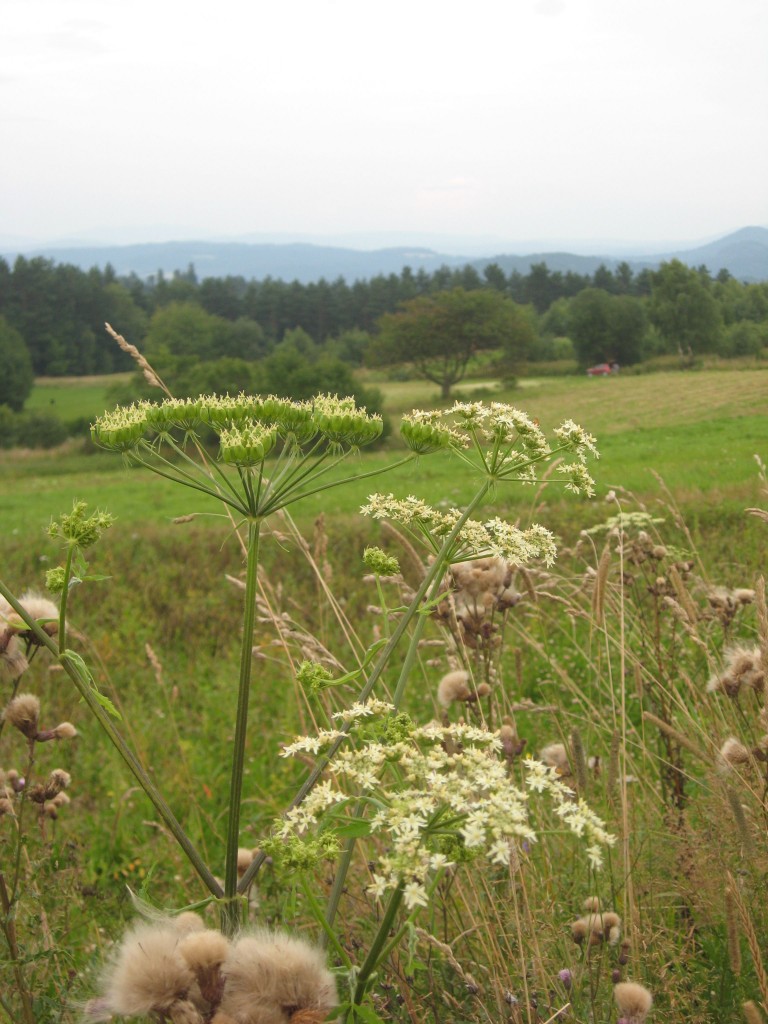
[505,792]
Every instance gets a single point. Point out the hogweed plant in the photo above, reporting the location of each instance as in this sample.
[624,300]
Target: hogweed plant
[434,795]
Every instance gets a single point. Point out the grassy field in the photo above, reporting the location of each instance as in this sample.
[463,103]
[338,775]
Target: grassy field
[72,398]
[608,655]
[698,432]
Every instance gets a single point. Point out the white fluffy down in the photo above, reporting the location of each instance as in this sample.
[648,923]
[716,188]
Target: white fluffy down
[268,978]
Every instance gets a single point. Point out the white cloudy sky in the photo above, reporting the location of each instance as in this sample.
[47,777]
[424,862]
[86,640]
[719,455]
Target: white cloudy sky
[524,119]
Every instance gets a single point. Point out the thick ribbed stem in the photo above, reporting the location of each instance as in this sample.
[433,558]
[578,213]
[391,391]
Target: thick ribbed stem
[231,908]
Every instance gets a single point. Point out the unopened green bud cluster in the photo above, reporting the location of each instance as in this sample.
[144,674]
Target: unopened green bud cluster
[380,563]
[313,676]
[248,425]
[76,527]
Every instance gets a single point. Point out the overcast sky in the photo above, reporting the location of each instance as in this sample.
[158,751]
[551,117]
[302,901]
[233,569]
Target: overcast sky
[519,120]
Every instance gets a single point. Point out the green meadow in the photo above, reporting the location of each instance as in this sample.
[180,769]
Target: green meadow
[629,666]
[695,434]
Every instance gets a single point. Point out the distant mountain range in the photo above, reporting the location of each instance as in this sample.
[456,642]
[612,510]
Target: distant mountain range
[744,254]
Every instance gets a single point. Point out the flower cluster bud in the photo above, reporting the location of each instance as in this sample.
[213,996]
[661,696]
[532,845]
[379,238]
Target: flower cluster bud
[123,429]
[380,563]
[247,445]
[340,422]
[424,433]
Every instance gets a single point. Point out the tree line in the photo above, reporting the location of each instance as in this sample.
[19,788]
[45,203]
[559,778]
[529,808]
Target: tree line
[52,317]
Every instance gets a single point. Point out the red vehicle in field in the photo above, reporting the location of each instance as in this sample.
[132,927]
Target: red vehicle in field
[603,370]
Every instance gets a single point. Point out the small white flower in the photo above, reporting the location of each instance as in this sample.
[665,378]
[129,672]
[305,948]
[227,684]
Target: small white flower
[473,833]
[499,852]
[378,886]
[415,895]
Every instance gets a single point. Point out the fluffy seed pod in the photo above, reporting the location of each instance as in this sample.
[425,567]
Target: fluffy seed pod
[23,713]
[633,1001]
[13,661]
[733,754]
[556,756]
[453,687]
[270,978]
[148,974]
[244,861]
[205,951]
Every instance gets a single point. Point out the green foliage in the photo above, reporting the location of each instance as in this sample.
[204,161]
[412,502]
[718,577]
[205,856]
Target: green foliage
[60,310]
[17,375]
[439,334]
[30,429]
[684,309]
[744,338]
[606,328]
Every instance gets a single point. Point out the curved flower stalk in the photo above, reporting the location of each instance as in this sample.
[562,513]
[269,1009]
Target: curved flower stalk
[434,796]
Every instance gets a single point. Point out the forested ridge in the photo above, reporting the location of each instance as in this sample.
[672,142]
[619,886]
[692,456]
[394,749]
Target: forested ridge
[59,310]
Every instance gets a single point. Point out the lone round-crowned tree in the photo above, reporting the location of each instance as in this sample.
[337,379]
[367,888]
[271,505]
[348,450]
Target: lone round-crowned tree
[17,376]
[440,333]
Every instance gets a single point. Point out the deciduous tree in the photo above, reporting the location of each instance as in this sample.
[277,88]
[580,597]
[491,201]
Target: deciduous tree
[440,333]
[17,377]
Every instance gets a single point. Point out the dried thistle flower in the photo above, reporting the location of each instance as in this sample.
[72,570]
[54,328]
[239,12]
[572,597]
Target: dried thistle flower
[13,661]
[633,1001]
[244,860]
[147,976]
[64,731]
[205,952]
[733,754]
[743,667]
[597,928]
[556,756]
[187,922]
[269,978]
[23,713]
[456,686]
[511,744]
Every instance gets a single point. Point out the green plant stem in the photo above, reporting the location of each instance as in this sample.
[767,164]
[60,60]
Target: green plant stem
[339,879]
[64,596]
[9,930]
[230,913]
[328,933]
[410,654]
[74,667]
[374,953]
